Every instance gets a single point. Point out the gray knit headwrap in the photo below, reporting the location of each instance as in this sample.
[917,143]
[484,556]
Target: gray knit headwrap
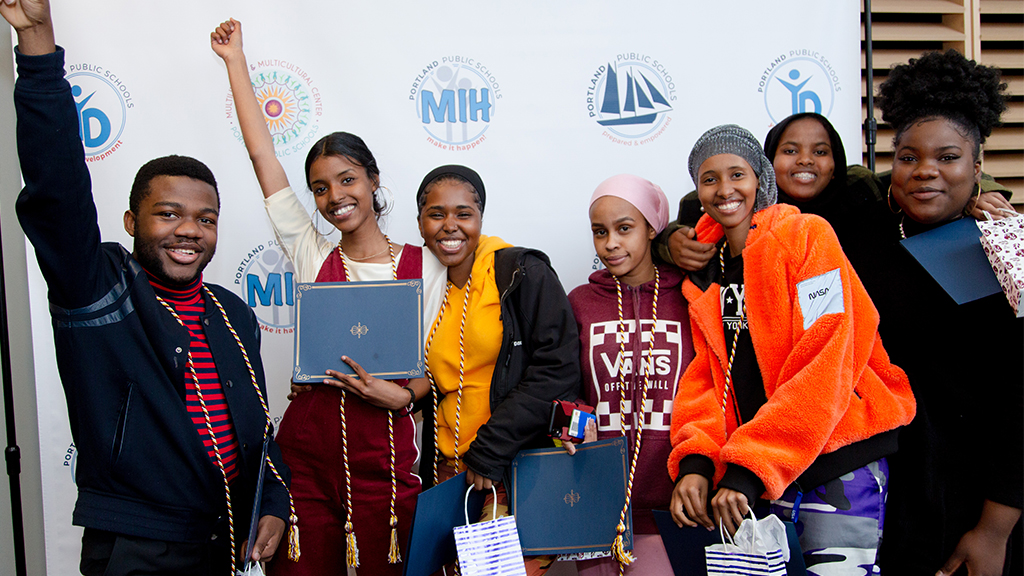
[733,139]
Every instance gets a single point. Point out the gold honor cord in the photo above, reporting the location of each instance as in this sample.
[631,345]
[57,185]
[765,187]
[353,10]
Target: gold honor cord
[623,556]
[293,535]
[352,550]
[430,375]
[462,375]
[735,340]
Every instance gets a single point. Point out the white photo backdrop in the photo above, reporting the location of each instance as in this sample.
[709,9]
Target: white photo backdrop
[544,99]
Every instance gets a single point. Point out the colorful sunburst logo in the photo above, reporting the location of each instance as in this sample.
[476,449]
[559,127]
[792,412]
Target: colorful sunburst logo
[285,102]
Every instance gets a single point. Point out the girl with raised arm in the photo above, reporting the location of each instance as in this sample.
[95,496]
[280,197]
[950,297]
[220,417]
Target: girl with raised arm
[350,444]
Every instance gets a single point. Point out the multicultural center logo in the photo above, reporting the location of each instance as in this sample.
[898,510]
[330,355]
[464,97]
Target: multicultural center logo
[631,99]
[292,105]
[102,99]
[265,279]
[455,101]
[800,81]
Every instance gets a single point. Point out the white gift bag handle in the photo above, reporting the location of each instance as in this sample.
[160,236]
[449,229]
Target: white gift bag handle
[725,534]
[494,508]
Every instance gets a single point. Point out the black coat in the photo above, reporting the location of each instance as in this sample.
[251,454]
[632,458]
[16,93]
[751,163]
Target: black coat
[142,469]
[538,363]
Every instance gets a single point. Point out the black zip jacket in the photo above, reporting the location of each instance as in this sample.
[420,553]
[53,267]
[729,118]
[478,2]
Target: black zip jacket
[142,469]
[538,363]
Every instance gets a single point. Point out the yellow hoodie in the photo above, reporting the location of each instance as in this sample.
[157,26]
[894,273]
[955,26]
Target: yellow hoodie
[481,343]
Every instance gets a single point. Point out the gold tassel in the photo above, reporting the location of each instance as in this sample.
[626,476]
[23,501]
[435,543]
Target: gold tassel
[393,556]
[293,539]
[352,551]
[618,548]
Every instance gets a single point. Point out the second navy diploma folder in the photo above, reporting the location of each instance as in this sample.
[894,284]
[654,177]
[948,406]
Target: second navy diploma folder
[567,504]
[376,324]
[953,256]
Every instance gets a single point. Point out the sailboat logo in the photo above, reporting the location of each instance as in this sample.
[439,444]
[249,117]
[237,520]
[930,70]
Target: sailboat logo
[631,99]
[627,114]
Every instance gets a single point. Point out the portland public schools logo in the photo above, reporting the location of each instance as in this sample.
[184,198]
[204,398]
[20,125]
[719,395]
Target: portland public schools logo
[265,279]
[292,105]
[631,99]
[797,82]
[102,99]
[455,101]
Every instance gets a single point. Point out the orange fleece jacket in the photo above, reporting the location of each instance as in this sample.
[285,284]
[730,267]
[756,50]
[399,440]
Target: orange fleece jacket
[828,381]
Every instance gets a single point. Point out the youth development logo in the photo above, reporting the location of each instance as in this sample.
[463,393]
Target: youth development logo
[265,279]
[800,81]
[102,100]
[631,99]
[455,101]
[291,103]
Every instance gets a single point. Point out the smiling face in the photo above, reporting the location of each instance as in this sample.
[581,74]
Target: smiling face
[934,171]
[450,223]
[622,238]
[175,228]
[727,188]
[343,192]
[803,162]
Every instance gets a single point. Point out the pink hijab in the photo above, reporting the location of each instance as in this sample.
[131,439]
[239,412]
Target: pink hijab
[646,196]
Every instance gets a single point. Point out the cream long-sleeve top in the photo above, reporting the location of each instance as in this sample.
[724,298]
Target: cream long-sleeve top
[308,249]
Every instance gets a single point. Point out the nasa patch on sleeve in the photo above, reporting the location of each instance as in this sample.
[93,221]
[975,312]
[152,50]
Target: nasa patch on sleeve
[820,295]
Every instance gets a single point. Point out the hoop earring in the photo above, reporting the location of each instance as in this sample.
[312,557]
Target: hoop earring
[888,200]
[976,195]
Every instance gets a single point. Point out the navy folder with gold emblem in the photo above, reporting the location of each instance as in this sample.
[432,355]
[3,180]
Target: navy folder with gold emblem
[438,511]
[569,504]
[376,324]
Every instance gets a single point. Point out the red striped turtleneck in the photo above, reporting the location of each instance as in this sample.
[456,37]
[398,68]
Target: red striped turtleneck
[189,305]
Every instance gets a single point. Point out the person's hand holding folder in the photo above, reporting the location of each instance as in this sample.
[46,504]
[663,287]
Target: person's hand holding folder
[268,536]
[589,435]
[381,393]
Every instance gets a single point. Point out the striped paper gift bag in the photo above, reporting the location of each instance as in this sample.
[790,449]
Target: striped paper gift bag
[489,548]
[728,560]
[761,556]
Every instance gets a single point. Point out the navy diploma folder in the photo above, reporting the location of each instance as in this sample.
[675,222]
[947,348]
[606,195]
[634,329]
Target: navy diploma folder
[567,504]
[953,255]
[438,511]
[376,324]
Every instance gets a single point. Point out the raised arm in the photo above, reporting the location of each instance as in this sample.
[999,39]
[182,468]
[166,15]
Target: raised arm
[55,208]
[31,20]
[226,41]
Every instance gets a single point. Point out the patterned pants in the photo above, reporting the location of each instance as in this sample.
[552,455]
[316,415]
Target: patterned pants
[840,522]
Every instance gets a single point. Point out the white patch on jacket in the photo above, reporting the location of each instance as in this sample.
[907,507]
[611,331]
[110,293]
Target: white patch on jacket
[819,296]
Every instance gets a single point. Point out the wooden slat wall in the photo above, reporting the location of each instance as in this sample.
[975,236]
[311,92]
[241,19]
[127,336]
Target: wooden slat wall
[989,31]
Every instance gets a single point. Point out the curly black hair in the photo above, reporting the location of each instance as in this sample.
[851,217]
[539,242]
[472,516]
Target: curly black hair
[945,84]
[172,165]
